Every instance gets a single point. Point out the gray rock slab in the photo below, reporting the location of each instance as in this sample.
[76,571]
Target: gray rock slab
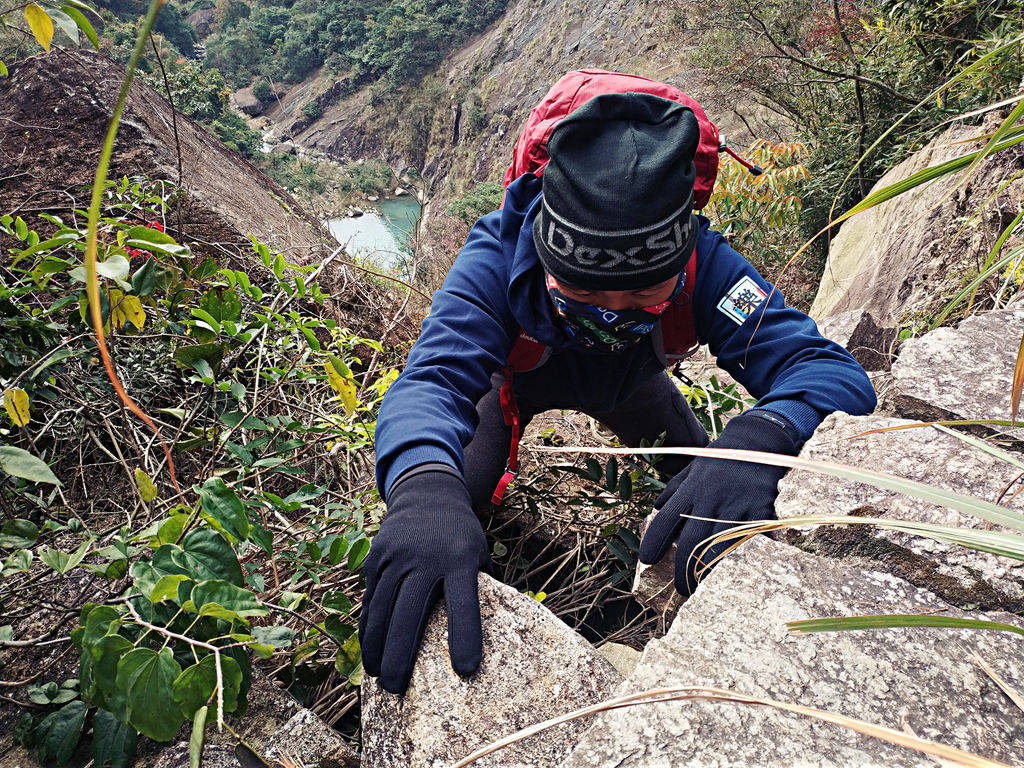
[859,332]
[309,741]
[622,657]
[534,667]
[959,373]
[731,634]
[962,576]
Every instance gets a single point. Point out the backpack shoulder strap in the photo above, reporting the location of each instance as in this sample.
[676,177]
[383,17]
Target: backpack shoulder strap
[678,330]
[527,353]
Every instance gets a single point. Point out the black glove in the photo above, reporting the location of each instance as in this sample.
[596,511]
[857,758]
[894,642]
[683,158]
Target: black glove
[430,542]
[723,489]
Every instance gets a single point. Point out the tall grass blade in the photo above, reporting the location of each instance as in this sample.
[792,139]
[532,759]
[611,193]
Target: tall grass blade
[958,501]
[1018,383]
[999,543]
[889,621]
[995,250]
[947,423]
[982,445]
[703,693]
[988,270]
[1006,140]
[1003,129]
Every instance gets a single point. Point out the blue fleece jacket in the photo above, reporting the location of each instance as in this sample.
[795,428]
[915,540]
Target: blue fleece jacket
[496,286]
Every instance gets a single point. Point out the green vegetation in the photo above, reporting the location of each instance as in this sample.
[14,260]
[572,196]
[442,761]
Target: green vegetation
[843,72]
[268,406]
[483,198]
[396,41]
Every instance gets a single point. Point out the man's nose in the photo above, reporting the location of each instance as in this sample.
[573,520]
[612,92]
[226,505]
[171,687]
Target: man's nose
[618,303]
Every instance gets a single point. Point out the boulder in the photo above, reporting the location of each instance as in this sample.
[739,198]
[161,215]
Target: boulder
[899,259]
[201,21]
[307,740]
[959,373]
[247,102]
[401,191]
[731,634]
[961,576]
[534,667]
[284,148]
[861,335]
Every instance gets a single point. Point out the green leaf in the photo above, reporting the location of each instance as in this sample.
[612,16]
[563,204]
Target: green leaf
[98,624]
[167,587]
[83,24]
[106,654]
[221,503]
[277,637]
[611,472]
[195,741]
[153,240]
[234,599]
[3,69]
[147,677]
[221,303]
[625,486]
[40,24]
[594,469]
[18,462]
[59,733]
[147,490]
[337,602]
[195,686]
[211,353]
[62,562]
[207,318]
[113,742]
[203,554]
[18,533]
[844,623]
[144,279]
[360,548]
[116,267]
[65,23]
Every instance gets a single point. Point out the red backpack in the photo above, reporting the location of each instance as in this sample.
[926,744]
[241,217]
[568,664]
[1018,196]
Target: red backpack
[678,334]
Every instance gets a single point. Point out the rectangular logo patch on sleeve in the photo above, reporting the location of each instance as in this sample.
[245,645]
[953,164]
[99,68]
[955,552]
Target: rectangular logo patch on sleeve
[741,300]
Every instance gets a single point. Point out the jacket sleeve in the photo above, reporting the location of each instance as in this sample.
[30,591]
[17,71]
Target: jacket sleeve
[429,413]
[773,350]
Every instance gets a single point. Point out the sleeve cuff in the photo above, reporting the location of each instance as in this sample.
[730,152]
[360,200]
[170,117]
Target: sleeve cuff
[803,418]
[411,459]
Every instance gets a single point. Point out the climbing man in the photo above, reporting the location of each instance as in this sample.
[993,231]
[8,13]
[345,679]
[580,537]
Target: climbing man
[577,294]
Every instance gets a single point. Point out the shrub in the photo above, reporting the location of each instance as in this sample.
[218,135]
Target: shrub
[261,89]
[311,109]
[483,198]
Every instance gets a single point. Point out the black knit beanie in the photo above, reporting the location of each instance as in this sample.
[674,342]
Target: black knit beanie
[617,211]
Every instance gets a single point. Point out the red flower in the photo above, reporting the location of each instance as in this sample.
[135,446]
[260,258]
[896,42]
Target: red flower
[155,225]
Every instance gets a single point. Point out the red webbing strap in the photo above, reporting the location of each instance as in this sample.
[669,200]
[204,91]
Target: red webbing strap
[510,412]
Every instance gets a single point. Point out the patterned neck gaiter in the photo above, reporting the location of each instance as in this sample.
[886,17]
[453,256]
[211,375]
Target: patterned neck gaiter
[603,329]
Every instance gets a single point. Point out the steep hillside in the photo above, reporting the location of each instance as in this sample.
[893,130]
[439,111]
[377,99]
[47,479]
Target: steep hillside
[458,125]
[61,105]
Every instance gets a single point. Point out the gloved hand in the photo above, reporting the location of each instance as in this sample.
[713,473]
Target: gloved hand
[730,491]
[429,542]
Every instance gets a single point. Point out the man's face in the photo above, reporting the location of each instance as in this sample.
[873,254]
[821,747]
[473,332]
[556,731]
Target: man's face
[619,300]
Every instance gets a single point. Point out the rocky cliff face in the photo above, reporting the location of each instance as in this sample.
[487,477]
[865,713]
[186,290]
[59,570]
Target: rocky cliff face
[903,259]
